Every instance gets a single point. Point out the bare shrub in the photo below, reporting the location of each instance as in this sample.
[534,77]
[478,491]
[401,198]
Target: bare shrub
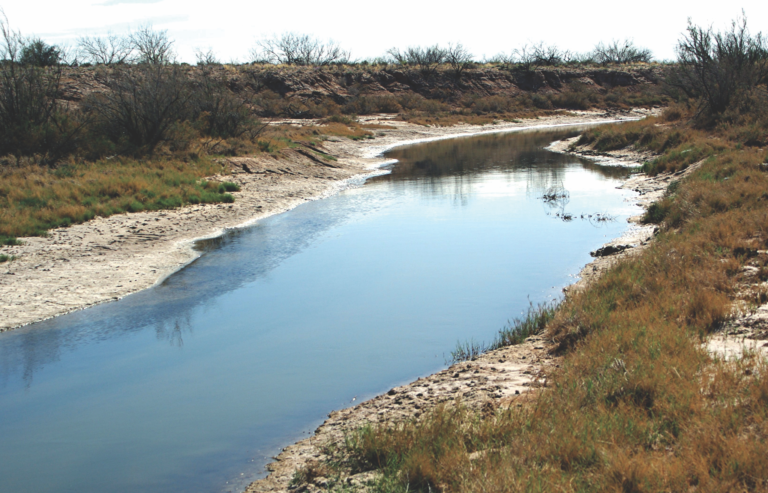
[142,105]
[107,50]
[717,68]
[621,52]
[426,59]
[206,58]
[31,120]
[299,49]
[216,111]
[459,58]
[153,47]
[537,55]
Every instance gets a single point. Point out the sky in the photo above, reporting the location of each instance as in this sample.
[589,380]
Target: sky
[368,29]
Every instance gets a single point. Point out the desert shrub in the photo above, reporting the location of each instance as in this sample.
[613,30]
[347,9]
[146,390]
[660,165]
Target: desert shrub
[215,109]
[576,96]
[720,68]
[427,59]
[32,122]
[142,105]
[366,105]
[539,55]
[152,47]
[489,104]
[410,100]
[38,53]
[620,52]
[299,49]
[541,102]
[459,58]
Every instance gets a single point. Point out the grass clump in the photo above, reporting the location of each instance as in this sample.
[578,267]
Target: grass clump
[533,322]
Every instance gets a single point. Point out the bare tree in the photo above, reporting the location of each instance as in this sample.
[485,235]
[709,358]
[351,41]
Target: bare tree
[107,50]
[621,52]
[153,47]
[299,49]
[717,68]
[459,58]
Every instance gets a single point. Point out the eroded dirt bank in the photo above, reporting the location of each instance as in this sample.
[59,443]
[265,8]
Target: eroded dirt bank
[108,258]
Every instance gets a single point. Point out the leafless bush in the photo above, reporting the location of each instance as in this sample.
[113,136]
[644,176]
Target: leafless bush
[31,120]
[215,109]
[153,47]
[142,105]
[459,58]
[206,58]
[298,49]
[426,59]
[621,52]
[717,68]
[539,55]
[107,50]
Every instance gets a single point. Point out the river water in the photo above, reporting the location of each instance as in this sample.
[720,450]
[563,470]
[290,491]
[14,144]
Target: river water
[193,384]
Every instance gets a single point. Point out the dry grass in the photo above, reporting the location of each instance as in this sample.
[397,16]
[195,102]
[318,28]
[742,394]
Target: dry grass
[638,405]
[34,199]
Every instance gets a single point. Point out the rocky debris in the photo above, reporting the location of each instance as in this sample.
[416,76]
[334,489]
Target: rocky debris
[745,333]
[610,250]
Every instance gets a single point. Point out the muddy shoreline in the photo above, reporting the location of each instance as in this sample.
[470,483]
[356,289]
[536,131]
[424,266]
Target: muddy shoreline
[106,259]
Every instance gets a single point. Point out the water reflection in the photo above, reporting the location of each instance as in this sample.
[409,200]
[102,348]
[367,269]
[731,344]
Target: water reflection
[465,160]
[244,255]
[436,169]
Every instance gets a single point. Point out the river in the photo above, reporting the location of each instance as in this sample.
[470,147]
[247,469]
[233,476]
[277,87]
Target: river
[193,384]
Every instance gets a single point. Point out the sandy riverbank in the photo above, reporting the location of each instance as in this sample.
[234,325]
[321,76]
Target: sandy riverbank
[108,258]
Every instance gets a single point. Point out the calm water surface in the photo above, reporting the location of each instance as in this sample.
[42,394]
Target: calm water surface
[192,385]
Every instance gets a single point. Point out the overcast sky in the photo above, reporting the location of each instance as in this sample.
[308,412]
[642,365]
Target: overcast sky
[368,29]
